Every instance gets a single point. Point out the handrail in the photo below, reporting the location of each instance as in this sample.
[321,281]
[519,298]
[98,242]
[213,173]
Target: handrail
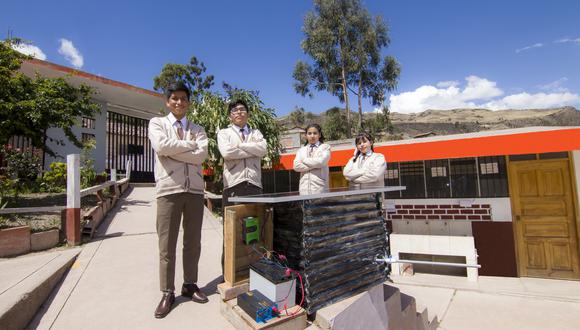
[210,195]
[58,208]
[42,209]
[393,260]
[96,188]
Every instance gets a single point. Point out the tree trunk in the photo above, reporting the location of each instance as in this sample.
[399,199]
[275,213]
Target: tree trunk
[360,114]
[345,94]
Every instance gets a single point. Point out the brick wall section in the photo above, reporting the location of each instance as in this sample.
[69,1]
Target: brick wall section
[14,241]
[440,212]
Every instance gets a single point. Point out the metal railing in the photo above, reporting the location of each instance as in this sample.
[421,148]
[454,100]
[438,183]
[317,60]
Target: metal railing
[395,260]
[83,192]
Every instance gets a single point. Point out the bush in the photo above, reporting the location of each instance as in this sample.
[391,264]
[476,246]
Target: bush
[21,165]
[54,180]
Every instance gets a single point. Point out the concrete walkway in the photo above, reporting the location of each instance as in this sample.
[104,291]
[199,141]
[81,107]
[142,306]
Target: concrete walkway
[114,284]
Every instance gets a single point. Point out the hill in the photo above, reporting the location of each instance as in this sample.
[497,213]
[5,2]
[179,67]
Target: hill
[445,122]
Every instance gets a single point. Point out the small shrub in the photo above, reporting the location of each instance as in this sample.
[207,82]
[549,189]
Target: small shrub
[22,167]
[54,180]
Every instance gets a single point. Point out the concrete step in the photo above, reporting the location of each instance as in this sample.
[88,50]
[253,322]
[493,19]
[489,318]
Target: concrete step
[434,324]
[26,283]
[392,297]
[358,313]
[423,320]
[381,307]
[409,312]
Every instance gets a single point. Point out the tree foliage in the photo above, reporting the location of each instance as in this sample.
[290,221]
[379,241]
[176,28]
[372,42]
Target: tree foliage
[377,123]
[344,43]
[29,107]
[333,126]
[298,117]
[192,74]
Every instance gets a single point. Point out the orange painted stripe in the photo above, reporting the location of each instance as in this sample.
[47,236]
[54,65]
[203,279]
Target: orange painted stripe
[513,144]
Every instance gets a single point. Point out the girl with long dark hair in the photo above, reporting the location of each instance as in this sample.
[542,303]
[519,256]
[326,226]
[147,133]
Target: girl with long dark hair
[312,162]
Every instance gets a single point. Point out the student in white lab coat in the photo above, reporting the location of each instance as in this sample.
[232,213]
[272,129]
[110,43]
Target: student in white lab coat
[367,168]
[312,162]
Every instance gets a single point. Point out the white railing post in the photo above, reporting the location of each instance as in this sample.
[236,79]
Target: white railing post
[128,170]
[73,199]
[114,174]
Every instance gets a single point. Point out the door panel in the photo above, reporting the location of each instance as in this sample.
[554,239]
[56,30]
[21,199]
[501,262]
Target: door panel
[544,219]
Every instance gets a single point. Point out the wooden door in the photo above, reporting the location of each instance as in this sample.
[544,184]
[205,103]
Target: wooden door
[337,180]
[544,221]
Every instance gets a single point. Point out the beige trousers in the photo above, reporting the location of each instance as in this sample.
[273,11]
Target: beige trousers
[170,210]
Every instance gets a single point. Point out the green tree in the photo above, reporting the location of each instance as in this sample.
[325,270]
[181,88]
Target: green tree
[29,107]
[372,76]
[298,117]
[193,74]
[333,125]
[379,122]
[344,43]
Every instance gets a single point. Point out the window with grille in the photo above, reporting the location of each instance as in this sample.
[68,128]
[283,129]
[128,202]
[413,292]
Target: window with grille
[493,176]
[463,177]
[87,122]
[436,179]
[86,137]
[412,175]
[392,179]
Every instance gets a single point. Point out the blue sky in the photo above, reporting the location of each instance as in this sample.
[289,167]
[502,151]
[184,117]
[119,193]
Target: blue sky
[493,54]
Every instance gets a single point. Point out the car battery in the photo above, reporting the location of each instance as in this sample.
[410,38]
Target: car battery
[271,280]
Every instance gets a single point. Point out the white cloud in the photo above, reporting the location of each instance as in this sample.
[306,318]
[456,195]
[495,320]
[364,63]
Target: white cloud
[70,53]
[568,40]
[536,45]
[555,86]
[479,88]
[534,101]
[478,93]
[449,83]
[31,50]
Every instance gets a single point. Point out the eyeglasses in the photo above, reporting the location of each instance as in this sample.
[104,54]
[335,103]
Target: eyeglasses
[240,109]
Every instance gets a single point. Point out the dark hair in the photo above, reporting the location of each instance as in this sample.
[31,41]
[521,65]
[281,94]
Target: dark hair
[319,129]
[359,138]
[177,86]
[235,103]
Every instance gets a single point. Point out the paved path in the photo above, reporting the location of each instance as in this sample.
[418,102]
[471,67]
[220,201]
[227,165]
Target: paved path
[114,283]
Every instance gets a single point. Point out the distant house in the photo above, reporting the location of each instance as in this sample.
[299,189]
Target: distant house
[120,130]
[423,135]
[292,139]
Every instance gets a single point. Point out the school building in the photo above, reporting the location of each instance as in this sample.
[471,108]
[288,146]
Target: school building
[120,129]
[515,191]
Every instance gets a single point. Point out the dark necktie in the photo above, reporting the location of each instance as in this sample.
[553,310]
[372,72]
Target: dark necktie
[242,134]
[311,151]
[180,129]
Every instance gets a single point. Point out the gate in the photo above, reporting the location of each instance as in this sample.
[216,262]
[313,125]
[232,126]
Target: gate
[127,138]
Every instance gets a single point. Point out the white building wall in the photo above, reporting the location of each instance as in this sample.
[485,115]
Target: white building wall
[60,144]
[500,211]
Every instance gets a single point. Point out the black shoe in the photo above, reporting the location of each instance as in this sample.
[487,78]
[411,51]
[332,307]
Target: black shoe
[193,292]
[165,304]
